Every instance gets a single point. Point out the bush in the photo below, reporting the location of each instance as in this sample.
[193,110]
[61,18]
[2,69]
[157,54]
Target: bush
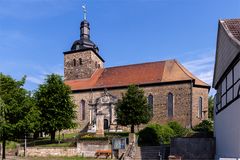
[204,129]
[204,126]
[154,134]
[178,129]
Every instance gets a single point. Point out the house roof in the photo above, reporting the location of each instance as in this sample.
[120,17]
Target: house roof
[227,49]
[140,74]
[232,26]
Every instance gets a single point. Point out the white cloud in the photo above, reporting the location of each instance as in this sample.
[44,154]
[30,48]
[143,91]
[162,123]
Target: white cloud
[41,73]
[35,80]
[202,65]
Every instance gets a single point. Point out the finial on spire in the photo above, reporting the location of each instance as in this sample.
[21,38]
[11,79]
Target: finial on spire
[84,12]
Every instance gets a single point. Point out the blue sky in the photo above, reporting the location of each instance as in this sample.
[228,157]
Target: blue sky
[35,33]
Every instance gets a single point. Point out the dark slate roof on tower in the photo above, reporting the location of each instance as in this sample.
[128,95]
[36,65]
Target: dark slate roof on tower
[141,74]
[84,42]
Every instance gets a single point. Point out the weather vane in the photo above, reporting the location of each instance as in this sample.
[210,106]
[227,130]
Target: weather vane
[84,12]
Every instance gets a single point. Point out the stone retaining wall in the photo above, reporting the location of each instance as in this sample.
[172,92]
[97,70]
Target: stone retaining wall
[47,151]
[85,149]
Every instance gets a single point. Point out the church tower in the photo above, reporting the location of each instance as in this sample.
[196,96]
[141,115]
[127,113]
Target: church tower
[83,59]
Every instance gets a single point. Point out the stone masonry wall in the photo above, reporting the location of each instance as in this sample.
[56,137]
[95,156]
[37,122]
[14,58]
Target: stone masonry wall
[197,93]
[46,152]
[90,62]
[182,103]
[84,149]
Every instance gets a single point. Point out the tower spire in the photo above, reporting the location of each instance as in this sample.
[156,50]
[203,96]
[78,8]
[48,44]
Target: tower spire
[84,12]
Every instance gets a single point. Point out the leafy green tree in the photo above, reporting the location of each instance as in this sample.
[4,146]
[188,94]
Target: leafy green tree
[56,106]
[18,114]
[210,107]
[133,109]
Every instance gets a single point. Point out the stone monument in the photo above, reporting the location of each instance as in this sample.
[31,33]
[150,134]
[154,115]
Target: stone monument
[99,124]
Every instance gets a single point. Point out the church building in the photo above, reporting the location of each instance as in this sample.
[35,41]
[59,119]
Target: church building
[173,92]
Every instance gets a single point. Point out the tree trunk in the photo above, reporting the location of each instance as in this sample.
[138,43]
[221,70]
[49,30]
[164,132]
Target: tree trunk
[3,148]
[132,128]
[52,136]
[36,135]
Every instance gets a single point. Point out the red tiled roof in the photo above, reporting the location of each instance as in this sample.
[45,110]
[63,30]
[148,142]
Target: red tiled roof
[232,25]
[145,73]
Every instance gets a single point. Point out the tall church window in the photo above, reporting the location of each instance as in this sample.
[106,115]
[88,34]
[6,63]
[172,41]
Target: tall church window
[150,102]
[170,105]
[74,62]
[200,107]
[80,61]
[82,108]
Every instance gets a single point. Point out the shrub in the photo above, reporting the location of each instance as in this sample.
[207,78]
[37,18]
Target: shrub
[204,129]
[179,131]
[204,126]
[154,134]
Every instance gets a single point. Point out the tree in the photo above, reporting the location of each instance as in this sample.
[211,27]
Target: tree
[18,113]
[56,106]
[210,107]
[133,109]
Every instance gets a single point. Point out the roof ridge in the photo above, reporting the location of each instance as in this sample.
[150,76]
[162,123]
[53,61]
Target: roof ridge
[136,64]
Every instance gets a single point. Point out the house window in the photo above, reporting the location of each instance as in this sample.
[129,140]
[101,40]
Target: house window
[74,62]
[82,108]
[80,61]
[200,107]
[170,105]
[150,102]
[228,89]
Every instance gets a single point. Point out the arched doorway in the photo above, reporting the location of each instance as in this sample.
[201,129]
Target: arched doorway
[105,124]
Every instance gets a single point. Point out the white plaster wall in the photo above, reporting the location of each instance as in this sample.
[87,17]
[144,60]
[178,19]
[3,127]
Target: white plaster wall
[227,131]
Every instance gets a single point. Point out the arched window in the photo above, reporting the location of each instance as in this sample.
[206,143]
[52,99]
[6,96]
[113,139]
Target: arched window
[150,102]
[74,62]
[200,107]
[82,109]
[170,105]
[80,61]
